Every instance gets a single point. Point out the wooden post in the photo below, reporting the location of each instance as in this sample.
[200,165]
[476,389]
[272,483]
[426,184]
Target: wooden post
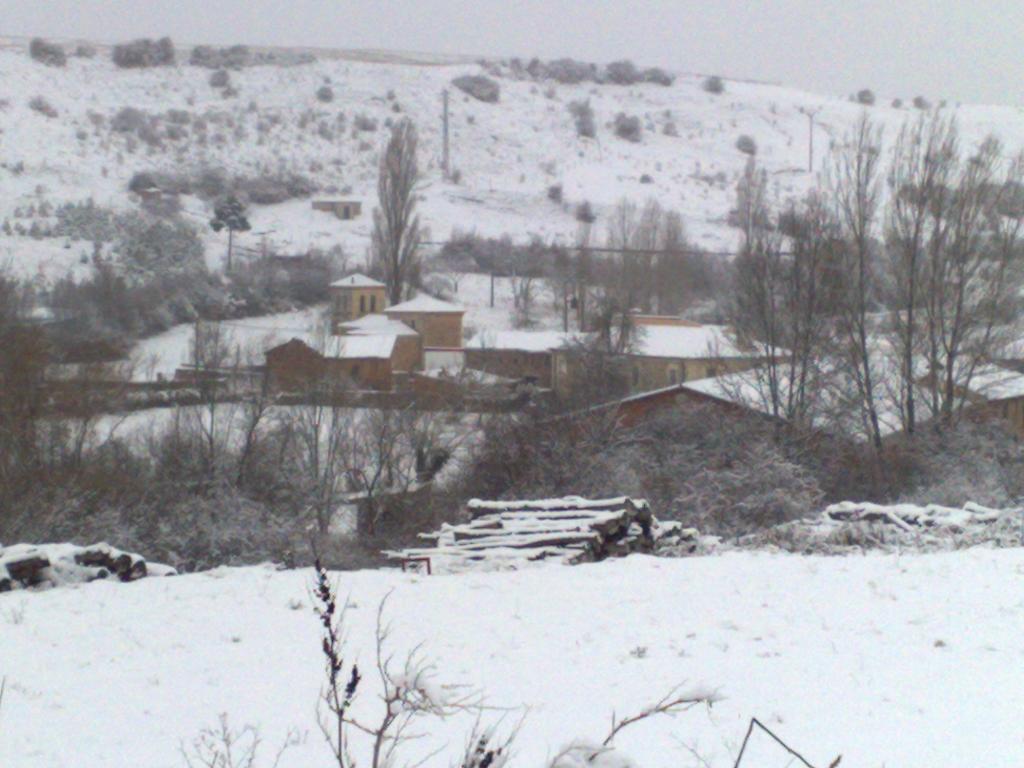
[446,158]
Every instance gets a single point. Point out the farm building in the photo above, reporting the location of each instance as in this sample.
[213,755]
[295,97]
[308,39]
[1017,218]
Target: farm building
[519,355]
[343,209]
[663,352]
[408,355]
[360,362]
[439,323]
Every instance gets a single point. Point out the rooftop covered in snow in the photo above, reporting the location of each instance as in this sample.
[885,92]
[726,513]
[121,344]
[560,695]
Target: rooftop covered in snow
[685,342]
[523,341]
[357,280]
[425,304]
[376,324]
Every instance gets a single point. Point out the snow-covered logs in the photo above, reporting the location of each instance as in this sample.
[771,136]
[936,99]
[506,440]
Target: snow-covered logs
[29,565]
[569,530]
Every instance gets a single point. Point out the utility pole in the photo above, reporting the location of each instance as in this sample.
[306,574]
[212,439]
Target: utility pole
[446,157]
[810,137]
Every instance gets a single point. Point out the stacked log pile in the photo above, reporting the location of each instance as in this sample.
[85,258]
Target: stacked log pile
[569,530]
[24,566]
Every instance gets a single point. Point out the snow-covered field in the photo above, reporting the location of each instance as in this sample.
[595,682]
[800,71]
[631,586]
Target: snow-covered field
[914,661]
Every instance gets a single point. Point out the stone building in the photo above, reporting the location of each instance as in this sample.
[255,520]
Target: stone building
[354,296]
[439,323]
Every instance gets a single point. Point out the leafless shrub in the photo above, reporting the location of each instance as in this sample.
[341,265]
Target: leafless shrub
[225,747]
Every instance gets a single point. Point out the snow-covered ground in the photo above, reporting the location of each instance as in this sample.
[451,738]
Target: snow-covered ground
[914,661]
[508,154]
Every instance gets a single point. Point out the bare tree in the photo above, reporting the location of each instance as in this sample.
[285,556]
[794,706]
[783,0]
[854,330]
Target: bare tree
[783,301]
[855,190]
[923,164]
[396,228]
[973,275]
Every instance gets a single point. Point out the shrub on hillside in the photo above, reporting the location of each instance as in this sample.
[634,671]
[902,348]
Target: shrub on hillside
[583,118]
[628,127]
[866,97]
[43,107]
[47,53]
[746,144]
[897,103]
[714,84]
[363,123]
[920,102]
[271,190]
[139,54]
[85,221]
[325,94]
[569,71]
[232,57]
[585,213]
[622,73]
[85,51]
[658,76]
[129,120]
[220,79]
[555,193]
[670,129]
[480,87]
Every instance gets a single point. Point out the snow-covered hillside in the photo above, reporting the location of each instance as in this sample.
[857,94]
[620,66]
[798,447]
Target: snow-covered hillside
[508,153]
[912,660]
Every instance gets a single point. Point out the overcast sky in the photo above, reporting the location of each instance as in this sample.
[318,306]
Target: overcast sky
[961,50]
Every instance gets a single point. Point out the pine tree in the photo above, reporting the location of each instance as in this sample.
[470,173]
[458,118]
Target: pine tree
[229,214]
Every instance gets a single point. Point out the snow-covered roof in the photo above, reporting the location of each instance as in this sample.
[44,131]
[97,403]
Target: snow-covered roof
[377,346]
[683,342]
[522,341]
[376,324]
[425,303]
[995,383]
[357,280]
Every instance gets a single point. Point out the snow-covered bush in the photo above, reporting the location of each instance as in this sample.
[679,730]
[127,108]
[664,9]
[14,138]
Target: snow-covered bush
[628,127]
[757,488]
[583,118]
[144,53]
[47,53]
[480,87]
[714,84]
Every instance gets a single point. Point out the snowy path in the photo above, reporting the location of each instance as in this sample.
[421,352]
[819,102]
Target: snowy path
[890,660]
